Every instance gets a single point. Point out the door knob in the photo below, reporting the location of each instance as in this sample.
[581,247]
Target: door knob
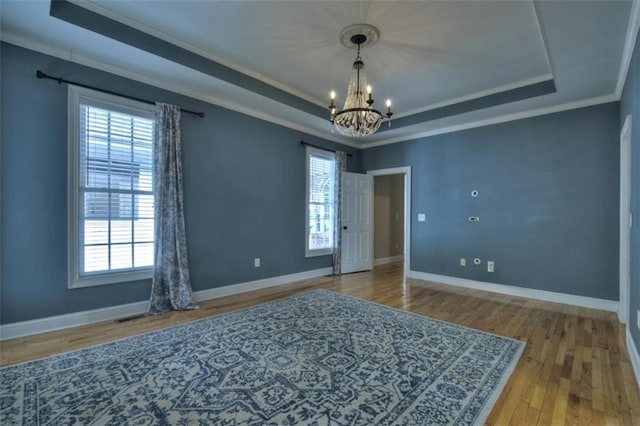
[345,227]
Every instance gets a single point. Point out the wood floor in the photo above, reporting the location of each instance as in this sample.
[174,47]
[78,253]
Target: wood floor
[575,368]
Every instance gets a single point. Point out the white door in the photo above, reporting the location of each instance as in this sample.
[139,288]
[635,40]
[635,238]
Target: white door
[357,222]
[625,220]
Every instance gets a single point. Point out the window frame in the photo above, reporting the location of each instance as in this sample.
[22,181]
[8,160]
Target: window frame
[76,97]
[311,151]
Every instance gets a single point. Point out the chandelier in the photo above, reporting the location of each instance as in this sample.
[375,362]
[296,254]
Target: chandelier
[358,117]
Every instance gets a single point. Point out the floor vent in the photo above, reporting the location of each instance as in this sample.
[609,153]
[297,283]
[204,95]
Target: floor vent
[131,318]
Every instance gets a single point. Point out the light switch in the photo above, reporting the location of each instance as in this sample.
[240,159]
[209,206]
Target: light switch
[421,217]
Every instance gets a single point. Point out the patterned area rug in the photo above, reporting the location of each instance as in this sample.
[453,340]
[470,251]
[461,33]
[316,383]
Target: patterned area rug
[317,358]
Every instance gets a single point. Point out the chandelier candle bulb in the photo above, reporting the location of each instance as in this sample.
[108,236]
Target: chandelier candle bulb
[332,107]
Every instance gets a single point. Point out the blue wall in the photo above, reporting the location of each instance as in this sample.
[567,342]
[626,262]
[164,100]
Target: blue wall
[244,183]
[548,195]
[547,205]
[630,104]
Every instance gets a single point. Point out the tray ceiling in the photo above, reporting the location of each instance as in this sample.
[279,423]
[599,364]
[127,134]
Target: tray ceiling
[430,54]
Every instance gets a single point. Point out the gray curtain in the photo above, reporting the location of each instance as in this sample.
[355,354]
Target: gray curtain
[171,287]
[341,166]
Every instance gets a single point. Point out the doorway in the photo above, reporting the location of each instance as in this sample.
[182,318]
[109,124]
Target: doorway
[391,215]
[388,219]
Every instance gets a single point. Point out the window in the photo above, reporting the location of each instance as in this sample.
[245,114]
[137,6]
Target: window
[111,189]
[320,206]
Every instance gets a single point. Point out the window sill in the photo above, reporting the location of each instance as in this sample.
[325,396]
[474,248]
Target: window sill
[315,253]
[110,278]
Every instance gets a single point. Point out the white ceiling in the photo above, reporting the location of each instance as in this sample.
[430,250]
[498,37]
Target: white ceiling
[430,53]
[297,44]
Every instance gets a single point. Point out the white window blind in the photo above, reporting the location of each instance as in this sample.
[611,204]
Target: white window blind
[114,197]
[320,208]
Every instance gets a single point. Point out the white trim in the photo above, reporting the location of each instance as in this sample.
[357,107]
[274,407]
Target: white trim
[104,11]
[406,171]
[224,103]
[76,319]
[495,120]
[29,44]
[390,171]
[387,260]
[629,46]
[228,290]
[634,356]
[327,155]
[162,84]
[108,13]
[476,95]
[75,214]
[548,296]
[625,221]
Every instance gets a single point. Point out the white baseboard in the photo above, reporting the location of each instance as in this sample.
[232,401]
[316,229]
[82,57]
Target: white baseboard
[228,290]
[549,296]
[634,355]
[76,319]
[385,260]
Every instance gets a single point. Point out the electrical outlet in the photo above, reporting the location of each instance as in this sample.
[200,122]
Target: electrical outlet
[256,262]
[463,261]
[421,217]
[490,266]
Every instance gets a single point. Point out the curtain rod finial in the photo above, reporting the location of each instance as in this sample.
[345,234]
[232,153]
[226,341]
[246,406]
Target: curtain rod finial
[40,74]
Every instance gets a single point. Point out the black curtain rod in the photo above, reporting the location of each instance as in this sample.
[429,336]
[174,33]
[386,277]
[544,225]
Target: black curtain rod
[322,148]
[60,80]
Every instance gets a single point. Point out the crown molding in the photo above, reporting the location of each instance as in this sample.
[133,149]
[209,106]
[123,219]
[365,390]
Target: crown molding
[629,46]
[101,19]
[106,12]
[496,120]
[476,95]
[498,89]
[92,63]
[143,78]
[92,7]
